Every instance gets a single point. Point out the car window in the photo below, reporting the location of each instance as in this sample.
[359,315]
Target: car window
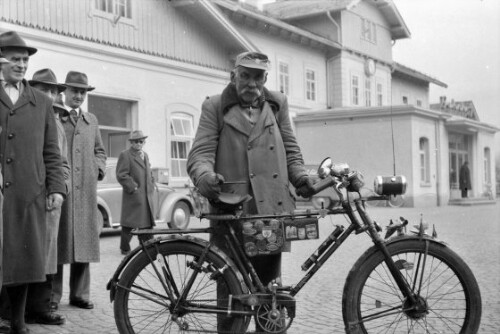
[110,176]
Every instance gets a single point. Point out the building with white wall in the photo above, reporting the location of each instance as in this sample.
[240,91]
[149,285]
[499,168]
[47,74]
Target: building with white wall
[154,61]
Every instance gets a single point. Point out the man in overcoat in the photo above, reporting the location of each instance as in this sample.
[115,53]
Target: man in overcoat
[245,138]
[40,294]
[133,172]
[32,171]
[464,179]
[78,241]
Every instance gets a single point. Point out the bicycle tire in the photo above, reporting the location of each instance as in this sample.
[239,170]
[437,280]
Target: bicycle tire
[396,201]
[449,289]
[145,309]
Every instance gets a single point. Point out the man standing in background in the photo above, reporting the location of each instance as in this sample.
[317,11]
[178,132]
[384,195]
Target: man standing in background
[79,230]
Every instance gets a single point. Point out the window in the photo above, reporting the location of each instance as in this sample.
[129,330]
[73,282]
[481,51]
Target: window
[181,127]
[115,121]
[310,85]
[419,103]
[284,78]
[424,160]
[117,8]
[405,99]
[487,164]
[368,92]
[355,89]
[380,95]
[368,31]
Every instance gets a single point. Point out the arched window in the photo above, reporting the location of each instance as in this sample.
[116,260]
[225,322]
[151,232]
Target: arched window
[487,164]
[424,161]
[182,135]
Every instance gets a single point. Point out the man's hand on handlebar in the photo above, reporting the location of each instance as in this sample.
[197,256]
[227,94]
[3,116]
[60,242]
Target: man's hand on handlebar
[209,185]
[305,187]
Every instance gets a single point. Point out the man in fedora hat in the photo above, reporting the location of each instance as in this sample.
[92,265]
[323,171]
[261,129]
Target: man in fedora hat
[133,172]
[245,138]
[29,150]
[78,241]
[39,294]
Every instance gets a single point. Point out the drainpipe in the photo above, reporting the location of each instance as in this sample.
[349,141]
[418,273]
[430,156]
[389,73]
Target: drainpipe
[438,162]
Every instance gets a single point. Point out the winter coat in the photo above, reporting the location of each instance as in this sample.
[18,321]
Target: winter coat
[32,169]
[464,178]
[53,216]
[265,156]
[79,227]
[134,174]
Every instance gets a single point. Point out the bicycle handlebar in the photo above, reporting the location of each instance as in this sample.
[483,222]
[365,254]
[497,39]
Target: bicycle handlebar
[323,184]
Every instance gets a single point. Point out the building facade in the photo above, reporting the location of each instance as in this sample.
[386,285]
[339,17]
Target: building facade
[153,62]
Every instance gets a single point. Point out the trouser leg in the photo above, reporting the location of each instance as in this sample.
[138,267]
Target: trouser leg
[125,238]
[17,297]
[57,285]
[79,281]
[39,296]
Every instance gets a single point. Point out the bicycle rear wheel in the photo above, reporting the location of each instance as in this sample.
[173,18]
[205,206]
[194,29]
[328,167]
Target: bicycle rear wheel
[448,296]
[143,306]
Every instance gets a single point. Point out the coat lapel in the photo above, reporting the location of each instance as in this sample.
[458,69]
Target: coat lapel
[137,158]
[263,123]
[234,118]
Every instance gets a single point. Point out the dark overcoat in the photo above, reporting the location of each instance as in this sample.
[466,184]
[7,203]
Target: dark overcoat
[464,178]
[134,174]
[265,156]
[79,228]
[32,169]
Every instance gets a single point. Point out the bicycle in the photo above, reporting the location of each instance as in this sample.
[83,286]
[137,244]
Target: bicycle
[406,282]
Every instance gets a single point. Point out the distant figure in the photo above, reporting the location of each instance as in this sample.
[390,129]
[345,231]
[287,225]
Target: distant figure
[133,171]
[464,179]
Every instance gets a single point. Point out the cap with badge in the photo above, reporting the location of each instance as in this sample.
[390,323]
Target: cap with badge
[47,77]
[252,59]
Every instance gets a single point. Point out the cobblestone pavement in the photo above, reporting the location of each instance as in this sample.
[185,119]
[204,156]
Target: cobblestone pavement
[472,232]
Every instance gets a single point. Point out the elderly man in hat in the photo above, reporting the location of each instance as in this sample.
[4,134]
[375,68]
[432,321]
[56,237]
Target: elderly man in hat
[33,175]
[245,139]
[79,229]
[133,171]
[39,294]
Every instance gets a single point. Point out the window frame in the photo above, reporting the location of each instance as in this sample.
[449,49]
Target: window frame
[368,92]
[487,165]
[380,94]
[368,30]
[179,138]
[355,89]
[311,86]
[424,161]
[281,75]
[113,15]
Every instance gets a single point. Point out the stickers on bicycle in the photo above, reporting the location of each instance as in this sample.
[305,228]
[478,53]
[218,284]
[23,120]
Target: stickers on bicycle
[301,228]
[262,237]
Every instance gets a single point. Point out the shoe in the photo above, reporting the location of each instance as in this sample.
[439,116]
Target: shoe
[46,318]
[125,252]
[53,306]
[81,303]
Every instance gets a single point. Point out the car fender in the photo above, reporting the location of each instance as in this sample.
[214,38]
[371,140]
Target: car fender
[102,206]
[111,286]
[168,203]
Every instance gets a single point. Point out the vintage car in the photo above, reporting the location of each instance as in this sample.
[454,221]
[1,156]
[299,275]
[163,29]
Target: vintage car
[170,206]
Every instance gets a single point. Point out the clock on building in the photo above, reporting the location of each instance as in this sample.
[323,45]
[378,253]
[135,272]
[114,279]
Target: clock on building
[369,67]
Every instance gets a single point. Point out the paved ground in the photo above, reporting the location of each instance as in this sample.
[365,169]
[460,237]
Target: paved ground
[473,232]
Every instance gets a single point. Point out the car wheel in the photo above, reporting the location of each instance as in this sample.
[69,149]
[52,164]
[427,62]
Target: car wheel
[100,221]
[180,216]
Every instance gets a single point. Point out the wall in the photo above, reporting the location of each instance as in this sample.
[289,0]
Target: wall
[414,91]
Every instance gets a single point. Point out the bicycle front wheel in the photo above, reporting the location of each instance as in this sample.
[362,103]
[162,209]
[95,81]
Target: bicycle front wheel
[142,304]
[448,297]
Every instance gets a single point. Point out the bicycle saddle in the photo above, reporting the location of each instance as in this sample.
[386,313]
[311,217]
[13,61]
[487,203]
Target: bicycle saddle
[230,201]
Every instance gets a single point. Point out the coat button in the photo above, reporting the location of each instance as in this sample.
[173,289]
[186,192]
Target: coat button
[271,147]
[249,147]
[11,135]
[275,175]
[7,184]
[77,150]
[12,113]
[9,160]
[252,175]
[280,203]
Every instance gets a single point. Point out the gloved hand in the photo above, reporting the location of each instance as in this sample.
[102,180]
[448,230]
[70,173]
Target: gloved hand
[304,187]
[209,185]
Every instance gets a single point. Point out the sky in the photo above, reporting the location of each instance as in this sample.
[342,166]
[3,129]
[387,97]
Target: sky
[458,43]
